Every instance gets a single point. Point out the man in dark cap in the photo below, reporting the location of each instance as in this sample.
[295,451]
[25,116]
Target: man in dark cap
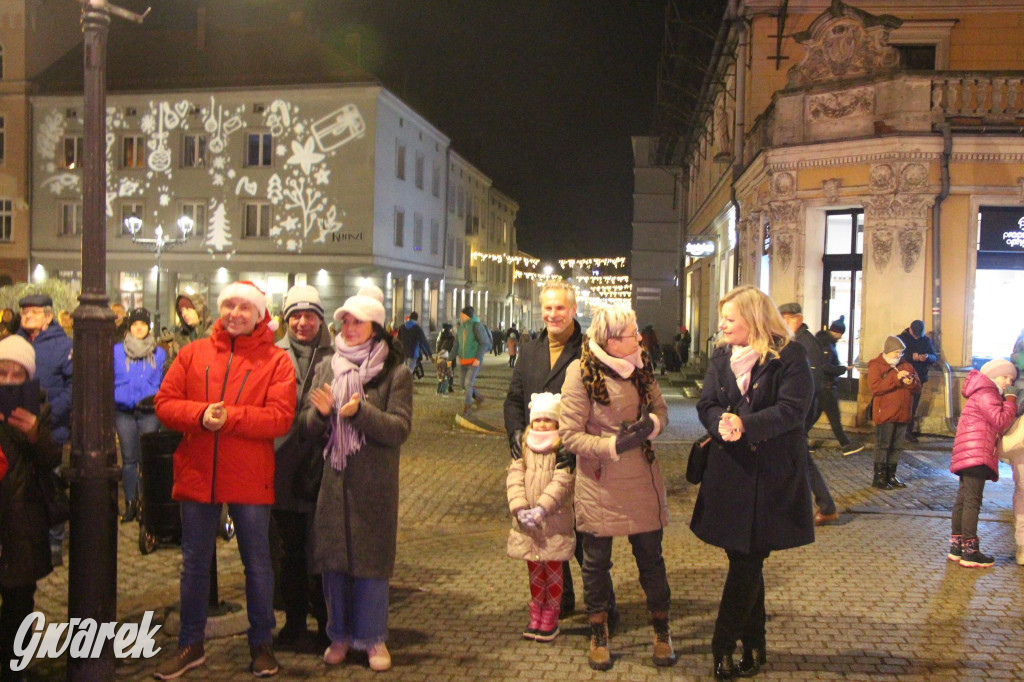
[53,369]
[828,396]
[472,341]
[921,354]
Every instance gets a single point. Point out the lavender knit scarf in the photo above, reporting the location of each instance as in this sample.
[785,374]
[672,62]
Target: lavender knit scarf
[353,367]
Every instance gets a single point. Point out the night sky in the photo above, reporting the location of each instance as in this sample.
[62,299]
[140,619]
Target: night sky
[542,96]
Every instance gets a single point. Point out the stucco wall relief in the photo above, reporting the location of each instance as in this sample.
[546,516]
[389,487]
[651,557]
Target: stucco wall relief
[830,188]
[913,177]
[783,185]
[882,178]
[783,248]
[881,247]
[911,245]
[785,212]
[838,105]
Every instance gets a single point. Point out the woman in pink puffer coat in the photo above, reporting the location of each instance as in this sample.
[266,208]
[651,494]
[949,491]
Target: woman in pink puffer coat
[985,417]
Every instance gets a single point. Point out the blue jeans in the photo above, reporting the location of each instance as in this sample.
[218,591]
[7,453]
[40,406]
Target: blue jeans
[357,609]
[471,391]
[131,426]
[199,523]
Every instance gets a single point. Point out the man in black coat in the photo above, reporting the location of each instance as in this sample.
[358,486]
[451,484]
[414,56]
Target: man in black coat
[921,354]
[539,369]
[793,314]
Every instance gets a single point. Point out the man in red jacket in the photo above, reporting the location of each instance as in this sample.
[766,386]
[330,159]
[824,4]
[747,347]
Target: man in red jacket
[231,394]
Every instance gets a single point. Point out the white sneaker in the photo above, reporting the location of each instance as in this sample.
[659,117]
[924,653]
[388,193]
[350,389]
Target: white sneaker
[380,659]
[335,653]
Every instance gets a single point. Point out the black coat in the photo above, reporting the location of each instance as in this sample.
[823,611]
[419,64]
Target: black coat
[533,373]
[814,356]
[921,345]
[755,496]
[830,366]
[25,554]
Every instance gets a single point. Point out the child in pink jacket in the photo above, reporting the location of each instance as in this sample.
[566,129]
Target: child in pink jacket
[985,416]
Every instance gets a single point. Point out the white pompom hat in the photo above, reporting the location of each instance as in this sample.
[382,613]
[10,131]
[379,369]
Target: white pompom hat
[365,306]
[545,406]
[248,291]
[16,349]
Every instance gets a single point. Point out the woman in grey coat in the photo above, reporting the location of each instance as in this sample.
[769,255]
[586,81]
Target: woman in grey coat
[363,400]
[754,497]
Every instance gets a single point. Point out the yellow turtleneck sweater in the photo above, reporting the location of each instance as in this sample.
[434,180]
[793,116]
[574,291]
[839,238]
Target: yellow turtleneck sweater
[557,343]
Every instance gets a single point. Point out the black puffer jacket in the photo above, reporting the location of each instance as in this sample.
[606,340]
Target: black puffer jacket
[25,554]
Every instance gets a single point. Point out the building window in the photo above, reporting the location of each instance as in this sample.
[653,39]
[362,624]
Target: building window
[449,258]
[419,170]
[6,219]
[130,210]
[257,220]
[196,210]
[2,138]
[417,232]
[1,62]
[435,180]
[70,219]
[434,234]
[399,227]
[916,57]
[259,150]
[399,160]
[451,198]
[460,203]
[133,151]
[193,151]
[73,151]
[459,251]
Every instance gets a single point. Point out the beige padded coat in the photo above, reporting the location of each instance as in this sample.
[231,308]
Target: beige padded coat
[613,498]
[534,480]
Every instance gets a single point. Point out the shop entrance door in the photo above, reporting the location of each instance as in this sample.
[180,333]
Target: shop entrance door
[842,284]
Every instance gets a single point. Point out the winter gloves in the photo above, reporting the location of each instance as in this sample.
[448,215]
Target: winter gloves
[633,435]
[530,519]
[515,445]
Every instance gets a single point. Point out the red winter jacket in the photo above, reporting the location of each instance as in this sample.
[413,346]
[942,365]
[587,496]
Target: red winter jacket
[893,400]
[985,416]
[256,381]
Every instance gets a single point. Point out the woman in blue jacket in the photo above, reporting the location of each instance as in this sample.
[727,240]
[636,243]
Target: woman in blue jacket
[138,371]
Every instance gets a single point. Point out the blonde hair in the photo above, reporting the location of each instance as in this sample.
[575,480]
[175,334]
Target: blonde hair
[560,285]
[609,322]
[769,333]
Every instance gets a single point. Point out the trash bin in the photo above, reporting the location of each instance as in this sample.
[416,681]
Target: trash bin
[159,514]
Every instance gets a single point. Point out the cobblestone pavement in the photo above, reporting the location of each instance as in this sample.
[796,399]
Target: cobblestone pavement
[872,598]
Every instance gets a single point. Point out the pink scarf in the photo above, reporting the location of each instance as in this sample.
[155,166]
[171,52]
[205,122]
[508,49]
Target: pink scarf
[353,367]
[742,362]
[542,442]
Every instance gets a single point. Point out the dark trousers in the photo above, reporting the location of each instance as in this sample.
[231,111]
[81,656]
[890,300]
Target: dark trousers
[913,412]
[567,588]
[968,502]
[828,402]
[301,592]
[597,577]
[822,497]
[15,604]
[889,442]
[741,614]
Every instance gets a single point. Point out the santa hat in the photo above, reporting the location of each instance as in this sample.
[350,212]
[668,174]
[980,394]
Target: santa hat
[247,291]
[545,406]
[365,306]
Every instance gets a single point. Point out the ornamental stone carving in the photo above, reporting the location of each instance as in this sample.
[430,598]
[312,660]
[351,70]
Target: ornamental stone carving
[785,212]
[1020,183]
[783,248]
[831,189]
[783,185]
[914,178]
[882,178]
[881,247]
[911,243]
[837,105]
[844,42]
[905,208]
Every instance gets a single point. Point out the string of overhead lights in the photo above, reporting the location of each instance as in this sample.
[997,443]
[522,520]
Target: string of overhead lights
[597,279]
[538,276]
[589,263]
[518,261]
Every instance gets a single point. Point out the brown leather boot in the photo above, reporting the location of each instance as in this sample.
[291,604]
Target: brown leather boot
[600,657]
[664,654]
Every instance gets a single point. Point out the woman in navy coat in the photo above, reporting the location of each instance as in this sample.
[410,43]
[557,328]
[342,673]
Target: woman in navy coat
[754,497]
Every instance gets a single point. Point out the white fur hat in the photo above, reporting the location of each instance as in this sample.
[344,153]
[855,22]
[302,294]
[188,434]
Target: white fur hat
[16,349]
[366,306]
[545,406]
[248,291]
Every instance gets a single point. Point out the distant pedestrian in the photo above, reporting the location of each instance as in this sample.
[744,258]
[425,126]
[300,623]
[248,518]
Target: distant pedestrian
[444,373]
[497,341]
[988,412]
[684,345]
[920,353]
[512,345]
[828,394]
[472,341]
[540,497]
[893,383]
[414,341]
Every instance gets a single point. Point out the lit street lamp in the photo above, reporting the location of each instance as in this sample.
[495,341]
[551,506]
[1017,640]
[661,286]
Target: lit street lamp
[158,243]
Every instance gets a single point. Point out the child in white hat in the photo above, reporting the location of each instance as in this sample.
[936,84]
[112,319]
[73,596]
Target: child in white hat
[540,497]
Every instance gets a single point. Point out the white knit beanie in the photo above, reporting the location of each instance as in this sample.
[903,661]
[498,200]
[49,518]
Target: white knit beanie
[302,297]
[248,291]
[545,406]
[16,349]
[366,306]
[997,367]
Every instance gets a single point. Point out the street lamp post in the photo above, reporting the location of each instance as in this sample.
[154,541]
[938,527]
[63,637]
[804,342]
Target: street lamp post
[159,242]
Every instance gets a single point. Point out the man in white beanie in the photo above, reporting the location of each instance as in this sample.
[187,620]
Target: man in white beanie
[27,442]
[307,343]
[231,394]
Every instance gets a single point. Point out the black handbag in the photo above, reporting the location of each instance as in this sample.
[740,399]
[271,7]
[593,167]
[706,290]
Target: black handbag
[698,460]
[53,491]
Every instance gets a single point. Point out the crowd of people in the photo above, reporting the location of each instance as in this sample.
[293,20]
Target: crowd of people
[299,430]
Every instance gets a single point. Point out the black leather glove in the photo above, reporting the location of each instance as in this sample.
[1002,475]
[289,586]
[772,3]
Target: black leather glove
[627,441]
[644,424]
[565,459]
[515,444]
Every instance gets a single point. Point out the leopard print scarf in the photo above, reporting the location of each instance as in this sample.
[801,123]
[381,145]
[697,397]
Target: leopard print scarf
[592,372]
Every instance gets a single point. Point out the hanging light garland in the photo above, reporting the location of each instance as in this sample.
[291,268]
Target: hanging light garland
[590,263]
[518,261]
[598,279]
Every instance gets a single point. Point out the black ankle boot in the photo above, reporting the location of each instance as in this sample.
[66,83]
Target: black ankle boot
[131,511]
[891,477]
[751,661]
[881,479]
[725,668]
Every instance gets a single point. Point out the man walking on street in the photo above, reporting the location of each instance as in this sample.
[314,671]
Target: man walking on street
[793,314]
[921,354]
[414,341]
[472,341]
[828,396]
[541,369]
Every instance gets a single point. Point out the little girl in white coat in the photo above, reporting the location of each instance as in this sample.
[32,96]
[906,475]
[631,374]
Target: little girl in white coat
[540,497]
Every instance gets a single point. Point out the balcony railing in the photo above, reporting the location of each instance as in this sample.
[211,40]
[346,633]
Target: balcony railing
[985,98]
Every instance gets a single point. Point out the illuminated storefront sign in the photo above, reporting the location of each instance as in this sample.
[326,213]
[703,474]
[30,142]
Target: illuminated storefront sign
[1002,229]
[698,247]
